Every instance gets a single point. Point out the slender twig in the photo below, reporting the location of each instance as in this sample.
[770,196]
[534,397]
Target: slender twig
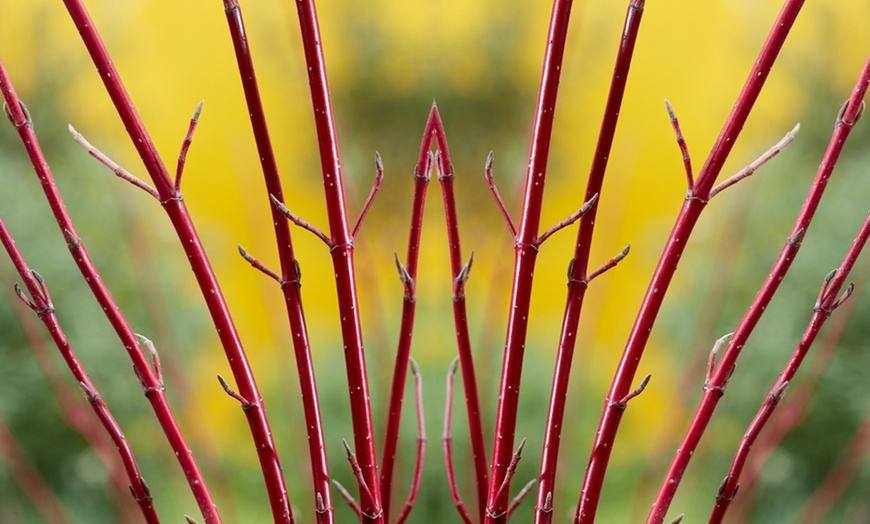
[176,209]
[154,391]
[259,265]
[345,494]
[40,304]
[714,390]
[578,278]
[509,474]
[290,270]
[498,201]
[828,302]
[460,273]
[518,499]
[342,258]
[760,161]
[185,145]
[695,203]
[447,444]
[684,148]
[300,222]
[408,276]
[421,444]
[575,216]
[379,177]
[114,167]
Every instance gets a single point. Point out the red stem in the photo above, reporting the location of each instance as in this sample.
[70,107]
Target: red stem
[408,275]
[694,204]
[291,290]
[524,260]
[578,278]
[447,445]
[154,389]
[342,258]
[822,312]
[173,203]
[715,388]
[421,445]
[45,311]
[460,316]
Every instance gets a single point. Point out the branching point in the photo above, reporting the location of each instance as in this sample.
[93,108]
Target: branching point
[260,266]
[299,222]
[711,362]
[622,404]
[119,171]
[155,358]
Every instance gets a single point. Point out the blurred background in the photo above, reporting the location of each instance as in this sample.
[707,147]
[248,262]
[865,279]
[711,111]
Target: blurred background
[387,61]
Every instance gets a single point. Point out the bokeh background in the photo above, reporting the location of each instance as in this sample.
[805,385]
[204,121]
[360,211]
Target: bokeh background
[387,62]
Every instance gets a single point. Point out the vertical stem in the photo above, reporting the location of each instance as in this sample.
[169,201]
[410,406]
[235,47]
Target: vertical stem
[821,314]
[694,204]
[460,316]
[524,261]
[406,330]
[342,258]
[176,209]
[714,390]
[578,279]
[154,389]
[290,287]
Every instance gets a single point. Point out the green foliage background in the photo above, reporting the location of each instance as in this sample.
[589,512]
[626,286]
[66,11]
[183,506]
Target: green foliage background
[387,61]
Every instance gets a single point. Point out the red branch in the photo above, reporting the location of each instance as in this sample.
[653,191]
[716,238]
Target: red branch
[342,258]
[828,302]
[695,202]
[447,445]
[524,261]
[421,445]
[42,306]
[290,274]
[460,274]
[715,387]
[578,278]
[408,276]
[154,390]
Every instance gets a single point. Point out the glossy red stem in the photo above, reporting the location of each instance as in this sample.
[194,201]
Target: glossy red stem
[342,258]
[695,202]
[822,312]
[421,446]
[409,305]
[447,445]
[524,261]
[45,311]
[459,270]
[154,389]
[715,388]
[289,279]
[578,279]
[174,206]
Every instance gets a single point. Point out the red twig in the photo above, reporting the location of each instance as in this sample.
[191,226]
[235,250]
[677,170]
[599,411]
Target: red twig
[681,141]
[499,202]
[175,207]
[421,445]
[154,390]
[342,258]
[41,304]
[509,474]
[345,494]
[578,279]
[447,445]
[714,390]
[460,275]
[760,161]
[185,145]
[695,203]
[108,162]
[291,273]
[515,503]
[379,177]
[524,260]
[827,303]
[408,276]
